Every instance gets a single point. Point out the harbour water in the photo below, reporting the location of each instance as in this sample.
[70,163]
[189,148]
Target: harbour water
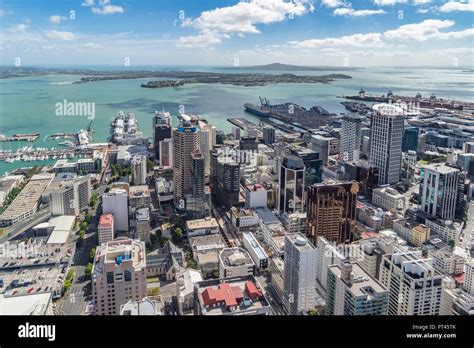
[27,104]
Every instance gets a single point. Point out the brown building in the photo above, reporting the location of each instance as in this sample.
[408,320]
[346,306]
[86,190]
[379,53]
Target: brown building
[331,211]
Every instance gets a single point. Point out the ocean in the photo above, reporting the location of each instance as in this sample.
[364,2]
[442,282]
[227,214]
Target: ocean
[28,104]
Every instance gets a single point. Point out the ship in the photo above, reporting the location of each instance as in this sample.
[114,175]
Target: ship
[262,110]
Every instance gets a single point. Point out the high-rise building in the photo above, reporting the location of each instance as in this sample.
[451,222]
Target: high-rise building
[225,178]
[299,294]
[166,153]
[198,200]
[331,211]
[386,142]
[410,139]
[468,285]
[438,190]
[118,275]
[351,137]
[71,197]
[105,229]
[138,170]
[352,291]
[291,184]
[312,163]
[186,140]
[414,285]
[208,141]
[115,202]
[366,175]
[161,130]
[269,135]
[236,132]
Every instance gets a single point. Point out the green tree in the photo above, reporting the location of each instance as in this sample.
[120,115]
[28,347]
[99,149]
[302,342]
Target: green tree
[88,217]
[150,165]
[88,270]
[451,243]
[92,254]
[94,199]
[177,234]
[191,264]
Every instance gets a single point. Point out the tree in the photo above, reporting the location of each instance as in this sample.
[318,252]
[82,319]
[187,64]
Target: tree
[83,226]
[451,243]
[88,270]
[94,199]
[150,165]
[88,217]
[215,274]
[177,234]
[313,311]
[92,254]
[191,264]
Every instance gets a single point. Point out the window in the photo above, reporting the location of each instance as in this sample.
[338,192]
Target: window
[110,277]
[128,275]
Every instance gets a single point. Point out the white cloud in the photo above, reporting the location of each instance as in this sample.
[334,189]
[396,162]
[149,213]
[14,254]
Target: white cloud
[394,2]
[454,6]
[19,28]
[428,29]
[56,19]
[333,3]
[88,3]
[242,18]
[59,35]
[356,40]
[350,12]
[201,40]
[107,9]
[91,45]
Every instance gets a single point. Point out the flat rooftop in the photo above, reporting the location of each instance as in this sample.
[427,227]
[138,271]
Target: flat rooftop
[202,223]
[362,284]
[29,197]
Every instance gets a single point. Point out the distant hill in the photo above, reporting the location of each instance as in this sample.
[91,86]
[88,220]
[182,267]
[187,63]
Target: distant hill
[288,67]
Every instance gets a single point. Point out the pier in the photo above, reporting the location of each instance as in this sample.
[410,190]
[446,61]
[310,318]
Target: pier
[20,137]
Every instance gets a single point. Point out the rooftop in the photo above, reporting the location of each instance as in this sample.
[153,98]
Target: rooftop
[234,257]
[202,223]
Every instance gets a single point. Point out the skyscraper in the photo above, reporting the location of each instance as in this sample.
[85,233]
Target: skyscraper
[351,137]
[268,135]
[161,130]
[410,139]
[225,178]
[331,211]
[438,190]
[118,275]
[139,170]
[291,184]
[299,294]
[386,142]
[414,285]
[186,140]
[198,200]
[352,291]
[208,141]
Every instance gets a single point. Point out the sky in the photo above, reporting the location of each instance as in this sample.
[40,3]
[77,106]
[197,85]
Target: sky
[350,33]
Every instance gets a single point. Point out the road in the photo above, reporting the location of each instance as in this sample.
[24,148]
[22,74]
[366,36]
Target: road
[13,231]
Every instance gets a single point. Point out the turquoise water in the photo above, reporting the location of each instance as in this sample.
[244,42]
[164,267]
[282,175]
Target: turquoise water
[28,104]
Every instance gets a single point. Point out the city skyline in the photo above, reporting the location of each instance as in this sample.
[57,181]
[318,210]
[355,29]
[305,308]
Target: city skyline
[230,33]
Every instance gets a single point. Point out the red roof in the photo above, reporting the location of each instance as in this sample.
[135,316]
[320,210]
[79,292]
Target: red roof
[459,278]
[106,220]
[252,290]
[224,294]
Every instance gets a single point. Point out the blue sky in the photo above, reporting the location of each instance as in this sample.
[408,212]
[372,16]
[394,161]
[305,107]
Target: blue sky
[205,32]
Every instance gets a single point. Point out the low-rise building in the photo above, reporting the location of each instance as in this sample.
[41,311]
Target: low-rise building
[206,250]
[235,296]
[201,227]
[258,254]
[165,262]
[388,199]
[185,282]
[146,306]
[235,262]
